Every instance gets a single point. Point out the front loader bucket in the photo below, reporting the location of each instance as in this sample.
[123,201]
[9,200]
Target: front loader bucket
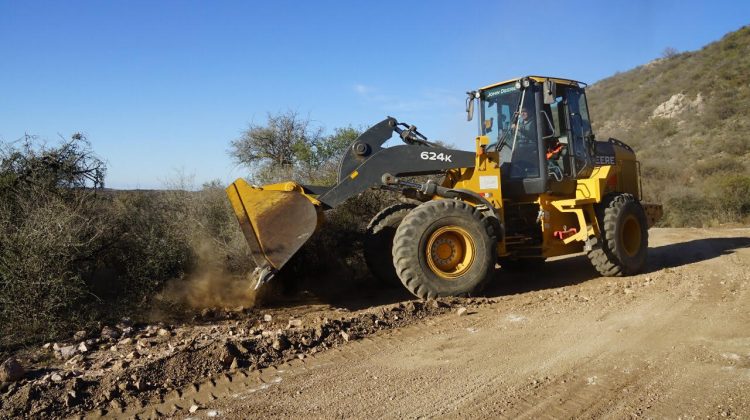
[276,220]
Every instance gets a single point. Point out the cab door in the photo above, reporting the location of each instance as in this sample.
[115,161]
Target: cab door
[582,138]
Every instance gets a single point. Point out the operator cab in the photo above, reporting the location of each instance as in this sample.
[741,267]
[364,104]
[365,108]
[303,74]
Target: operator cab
[541,130]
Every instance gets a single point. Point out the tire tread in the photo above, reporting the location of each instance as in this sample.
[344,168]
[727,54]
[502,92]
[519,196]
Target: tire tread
[405,254]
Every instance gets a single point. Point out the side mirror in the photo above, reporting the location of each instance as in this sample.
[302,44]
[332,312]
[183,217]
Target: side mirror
[470,105]
[550,88]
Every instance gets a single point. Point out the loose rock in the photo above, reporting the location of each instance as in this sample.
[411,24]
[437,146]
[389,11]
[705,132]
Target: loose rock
[70,399]
[109,333]
[227,355]
[280,343]
[461,311]
[318,333]
[437,304]
[66,352]
[120,365]
[139,383]
[11,370]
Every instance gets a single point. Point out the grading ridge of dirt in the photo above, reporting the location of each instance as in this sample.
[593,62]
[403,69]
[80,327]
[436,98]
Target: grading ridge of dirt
[147,362]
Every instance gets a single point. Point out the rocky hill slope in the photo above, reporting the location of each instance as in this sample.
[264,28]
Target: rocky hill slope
[687,115]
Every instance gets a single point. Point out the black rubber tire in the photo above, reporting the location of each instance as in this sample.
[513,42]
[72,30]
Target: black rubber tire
[410,249]
[378,242]
[609,253]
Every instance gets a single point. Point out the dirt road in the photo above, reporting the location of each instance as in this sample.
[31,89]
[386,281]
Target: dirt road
[559,342]
[552,341]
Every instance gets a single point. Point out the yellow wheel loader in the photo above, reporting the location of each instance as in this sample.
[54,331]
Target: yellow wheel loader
[538,185]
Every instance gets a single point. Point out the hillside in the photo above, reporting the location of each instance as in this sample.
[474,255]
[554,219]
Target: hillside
[688,117]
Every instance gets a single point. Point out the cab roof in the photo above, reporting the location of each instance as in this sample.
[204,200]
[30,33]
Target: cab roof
[540,79]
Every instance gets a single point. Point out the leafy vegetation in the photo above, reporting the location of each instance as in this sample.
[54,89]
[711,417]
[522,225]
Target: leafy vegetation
[687,115]
[288,147]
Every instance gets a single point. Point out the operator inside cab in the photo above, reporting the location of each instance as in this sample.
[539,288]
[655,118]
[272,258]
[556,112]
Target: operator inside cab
[516,138]
[543,137]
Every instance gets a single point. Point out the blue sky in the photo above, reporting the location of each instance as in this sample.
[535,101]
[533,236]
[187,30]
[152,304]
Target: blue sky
[161,87]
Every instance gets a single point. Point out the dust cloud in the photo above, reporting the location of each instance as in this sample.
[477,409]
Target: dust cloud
[211,288]
[210,284]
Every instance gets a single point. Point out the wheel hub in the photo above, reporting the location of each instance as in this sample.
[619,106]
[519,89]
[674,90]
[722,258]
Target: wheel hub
[631,235]
[450,252]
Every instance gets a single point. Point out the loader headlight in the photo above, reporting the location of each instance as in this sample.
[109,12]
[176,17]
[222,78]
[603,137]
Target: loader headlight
[525,82]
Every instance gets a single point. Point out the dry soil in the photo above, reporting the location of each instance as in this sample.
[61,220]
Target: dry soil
[552,341]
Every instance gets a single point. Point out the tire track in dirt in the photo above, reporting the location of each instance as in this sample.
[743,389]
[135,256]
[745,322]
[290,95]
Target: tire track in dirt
[561,387]
[647,385]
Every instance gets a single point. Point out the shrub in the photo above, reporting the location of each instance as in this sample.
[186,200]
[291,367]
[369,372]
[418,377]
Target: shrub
[332,260]
[51,234]
[146,250]
[733,194]
[73,254]
[688,209]
[718,164]
[663,127]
